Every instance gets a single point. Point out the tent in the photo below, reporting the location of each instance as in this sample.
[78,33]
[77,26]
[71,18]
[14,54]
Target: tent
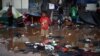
[91,18]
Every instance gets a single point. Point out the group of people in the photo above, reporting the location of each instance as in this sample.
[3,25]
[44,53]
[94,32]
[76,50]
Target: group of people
[45,20]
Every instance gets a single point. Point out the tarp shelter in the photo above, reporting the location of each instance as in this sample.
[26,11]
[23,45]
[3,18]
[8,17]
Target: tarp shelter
[34,17]
[4,17]
[91,18]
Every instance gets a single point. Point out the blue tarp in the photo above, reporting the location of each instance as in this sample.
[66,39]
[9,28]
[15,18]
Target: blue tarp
[35,14]
[96,18]
[87,18]
[90,18]
[86,1]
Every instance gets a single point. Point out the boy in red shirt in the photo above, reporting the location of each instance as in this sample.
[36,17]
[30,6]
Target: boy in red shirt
[44,21]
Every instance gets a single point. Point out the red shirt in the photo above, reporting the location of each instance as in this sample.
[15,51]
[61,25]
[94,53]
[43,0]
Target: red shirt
[44,21]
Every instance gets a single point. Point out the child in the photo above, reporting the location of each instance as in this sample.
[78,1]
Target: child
[44,21]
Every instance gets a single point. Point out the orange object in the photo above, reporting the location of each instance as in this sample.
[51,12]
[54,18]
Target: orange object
[64,49]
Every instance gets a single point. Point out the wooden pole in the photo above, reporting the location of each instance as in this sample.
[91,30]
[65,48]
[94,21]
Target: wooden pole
[51,18]
[32,24]
[11,38]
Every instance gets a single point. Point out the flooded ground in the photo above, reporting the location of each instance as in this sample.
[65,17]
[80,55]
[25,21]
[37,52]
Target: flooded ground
[71,35]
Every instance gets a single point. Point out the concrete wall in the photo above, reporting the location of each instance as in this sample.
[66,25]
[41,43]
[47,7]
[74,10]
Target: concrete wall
[91,7]
[5,3]
[24,4]
[18,4]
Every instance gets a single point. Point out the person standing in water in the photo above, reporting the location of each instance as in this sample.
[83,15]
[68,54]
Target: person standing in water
[44,22]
